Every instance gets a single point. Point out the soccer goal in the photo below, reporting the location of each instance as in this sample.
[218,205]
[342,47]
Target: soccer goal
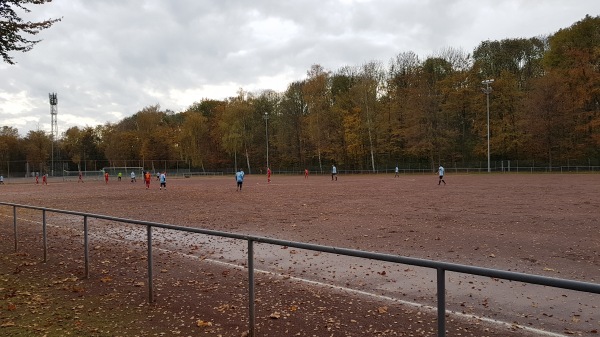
[74,175]
[125,171]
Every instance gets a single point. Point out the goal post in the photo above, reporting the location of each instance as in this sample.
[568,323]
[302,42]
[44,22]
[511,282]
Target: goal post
[70,175]
[113,171]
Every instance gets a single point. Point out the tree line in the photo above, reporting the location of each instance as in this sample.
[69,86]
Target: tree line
[544,106]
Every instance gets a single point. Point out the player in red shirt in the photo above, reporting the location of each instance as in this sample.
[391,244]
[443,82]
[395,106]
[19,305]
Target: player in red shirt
[305,173]
[147,178]
[268,175]
[106,177]
[44,179]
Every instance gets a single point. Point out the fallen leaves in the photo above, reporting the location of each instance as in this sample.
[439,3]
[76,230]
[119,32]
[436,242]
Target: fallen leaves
[203,324]
[224,307]
[77,289]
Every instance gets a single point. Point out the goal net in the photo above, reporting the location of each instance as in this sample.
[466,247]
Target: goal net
[113,171]
[74,175]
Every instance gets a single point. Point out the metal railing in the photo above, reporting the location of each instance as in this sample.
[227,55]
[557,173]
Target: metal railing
[440,267]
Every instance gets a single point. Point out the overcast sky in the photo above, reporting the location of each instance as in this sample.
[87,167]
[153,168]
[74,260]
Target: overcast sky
[108,59]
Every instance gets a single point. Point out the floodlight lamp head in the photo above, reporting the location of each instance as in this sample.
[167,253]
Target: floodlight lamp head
[53,99]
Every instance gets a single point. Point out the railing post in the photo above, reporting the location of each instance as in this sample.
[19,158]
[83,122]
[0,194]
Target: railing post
[44,235]
[441,297]
[251,312]
[86,254]
[150,284]
[15,227]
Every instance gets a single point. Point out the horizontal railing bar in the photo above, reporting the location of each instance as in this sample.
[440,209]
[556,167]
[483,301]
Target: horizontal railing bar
[452,267]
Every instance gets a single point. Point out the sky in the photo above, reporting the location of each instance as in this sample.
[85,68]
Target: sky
[109,59]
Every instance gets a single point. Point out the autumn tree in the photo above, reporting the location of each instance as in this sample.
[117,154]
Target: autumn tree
[506,113]
[290,127]
[316,94]
[520,57]
[574,56]
[460,109]
[235,124]
[38,150]
[10,147]
[207,151]
[347,116]
[149,135]
[402,83]
[366,91]
[120,144]
[549,125]
[81,145]
[427,134]
[194,137]
[13,28]
[265,123]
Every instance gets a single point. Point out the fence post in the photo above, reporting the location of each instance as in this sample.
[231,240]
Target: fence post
[45,236]
[86,255]
[441,297]
[15,227]
[251,288]
[150,284]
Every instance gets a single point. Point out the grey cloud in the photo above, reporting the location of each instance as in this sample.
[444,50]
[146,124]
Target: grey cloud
[116,57]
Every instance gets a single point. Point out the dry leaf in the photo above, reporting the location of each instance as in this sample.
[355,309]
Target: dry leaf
[223,307]
[382,310]
[7,324]
[203,324]
[275,315]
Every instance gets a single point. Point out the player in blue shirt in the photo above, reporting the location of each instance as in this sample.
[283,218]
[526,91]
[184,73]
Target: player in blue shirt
[239,178]
[441,173]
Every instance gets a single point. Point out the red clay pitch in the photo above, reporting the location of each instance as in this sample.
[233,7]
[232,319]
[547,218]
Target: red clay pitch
[545,224]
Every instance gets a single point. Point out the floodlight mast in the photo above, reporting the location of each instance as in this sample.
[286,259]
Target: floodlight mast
[54,125]
[266,117]
[487,90]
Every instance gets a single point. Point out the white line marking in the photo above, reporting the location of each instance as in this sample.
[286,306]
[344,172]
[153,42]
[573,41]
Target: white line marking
[345,289]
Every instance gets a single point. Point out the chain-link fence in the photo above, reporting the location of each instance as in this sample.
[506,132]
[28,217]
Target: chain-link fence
[96,168]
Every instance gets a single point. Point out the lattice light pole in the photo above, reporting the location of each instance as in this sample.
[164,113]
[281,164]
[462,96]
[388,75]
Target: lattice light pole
[54,124]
